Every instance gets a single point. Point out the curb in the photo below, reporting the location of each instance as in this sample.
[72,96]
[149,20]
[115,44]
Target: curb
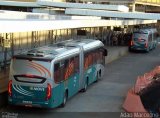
[116,54]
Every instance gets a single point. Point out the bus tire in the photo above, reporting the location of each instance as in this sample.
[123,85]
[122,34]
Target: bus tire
[129,49]
[65,97]
[147,50]
[155,46]
[85,86]
[100,74]
[97,78]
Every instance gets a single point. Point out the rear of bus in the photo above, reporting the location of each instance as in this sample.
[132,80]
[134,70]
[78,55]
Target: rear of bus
[139,41]
[30,82]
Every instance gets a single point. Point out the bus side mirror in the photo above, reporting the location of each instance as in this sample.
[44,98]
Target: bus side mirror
[105,52]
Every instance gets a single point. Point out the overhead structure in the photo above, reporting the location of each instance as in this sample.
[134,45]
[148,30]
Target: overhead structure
[50,3]
[134,5]
[5,14]
[8,26]
[112,14]
[18,4]
[143,2]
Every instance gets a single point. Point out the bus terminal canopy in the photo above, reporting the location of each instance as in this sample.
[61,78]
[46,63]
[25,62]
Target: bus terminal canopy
[19,4]
[50,3]
[10,26]
[114,14]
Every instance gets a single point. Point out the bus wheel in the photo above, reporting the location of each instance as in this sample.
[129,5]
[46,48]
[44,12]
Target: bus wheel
[64,99]
[100,74]
[147,51]
[129,49]
[97,78]
[85,86]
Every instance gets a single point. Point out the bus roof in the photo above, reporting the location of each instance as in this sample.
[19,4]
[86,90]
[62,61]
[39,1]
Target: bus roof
[85,43]
[59,50]
[146,30]
[45,53]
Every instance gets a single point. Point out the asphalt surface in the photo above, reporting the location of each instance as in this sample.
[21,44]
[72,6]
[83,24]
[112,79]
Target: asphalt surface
[102,99]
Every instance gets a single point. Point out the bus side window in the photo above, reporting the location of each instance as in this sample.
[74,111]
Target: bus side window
[150,38]
[57,72]
[90,62]
[100,55]
[97,55]
[94,57]
[66,63]
[155,35]
[105,52]
[86,61]
[76,63]
[62,69]
[71,66]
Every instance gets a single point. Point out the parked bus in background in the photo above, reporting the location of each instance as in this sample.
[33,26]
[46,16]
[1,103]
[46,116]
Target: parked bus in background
[144,39]
[49,75]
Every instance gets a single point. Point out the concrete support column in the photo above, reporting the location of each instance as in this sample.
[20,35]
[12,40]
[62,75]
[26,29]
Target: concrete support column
[158,26]
[50,36]
[101,34]
[109,42]
[133,7]
[12,44]
[35,39]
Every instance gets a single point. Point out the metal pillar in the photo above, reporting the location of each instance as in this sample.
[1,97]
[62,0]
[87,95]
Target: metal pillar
[101,37]
[5,52]
[90,32]
[2,48]
[133,7]
[52,36]
[35,39]
[12,44]
[5,58]
[67,34]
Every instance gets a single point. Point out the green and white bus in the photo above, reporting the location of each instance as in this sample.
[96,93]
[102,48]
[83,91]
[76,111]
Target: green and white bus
[48,76]
[144,39]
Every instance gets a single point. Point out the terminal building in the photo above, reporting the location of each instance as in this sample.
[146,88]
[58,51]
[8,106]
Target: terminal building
[151,6]
[134,5]
[94,24]
[27,24]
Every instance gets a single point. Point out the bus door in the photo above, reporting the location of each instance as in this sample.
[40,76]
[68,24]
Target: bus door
[71,74]
[66,76]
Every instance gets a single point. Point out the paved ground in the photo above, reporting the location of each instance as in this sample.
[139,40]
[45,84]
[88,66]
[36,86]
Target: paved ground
[105,96]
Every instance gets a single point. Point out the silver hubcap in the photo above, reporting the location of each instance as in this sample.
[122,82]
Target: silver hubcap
[64,101]
[85,86]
